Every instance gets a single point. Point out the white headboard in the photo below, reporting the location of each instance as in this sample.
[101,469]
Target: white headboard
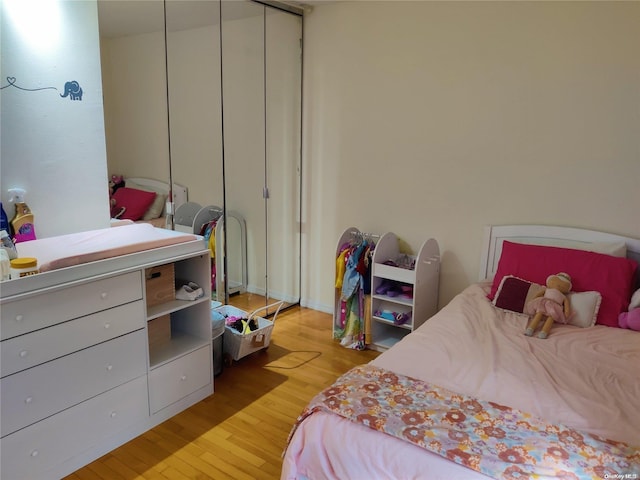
[569,237]
[180,194]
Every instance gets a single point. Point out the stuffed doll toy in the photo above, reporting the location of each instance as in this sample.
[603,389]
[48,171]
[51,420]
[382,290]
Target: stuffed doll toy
[115,182]
[551,303]
[631,319]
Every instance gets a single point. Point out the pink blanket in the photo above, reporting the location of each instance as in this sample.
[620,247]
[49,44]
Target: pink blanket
[584,378]
[82,247]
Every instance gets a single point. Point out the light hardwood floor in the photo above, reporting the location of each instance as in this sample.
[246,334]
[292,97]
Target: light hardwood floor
[240,431]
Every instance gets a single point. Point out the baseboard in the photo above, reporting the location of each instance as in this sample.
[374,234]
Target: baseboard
[322,307]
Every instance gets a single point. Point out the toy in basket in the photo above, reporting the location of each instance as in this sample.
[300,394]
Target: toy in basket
[240,344]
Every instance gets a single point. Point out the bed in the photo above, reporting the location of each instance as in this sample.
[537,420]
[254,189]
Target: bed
[144,200]
[468,395]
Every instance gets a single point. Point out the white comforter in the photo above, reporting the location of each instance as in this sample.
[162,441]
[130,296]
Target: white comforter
[588,379]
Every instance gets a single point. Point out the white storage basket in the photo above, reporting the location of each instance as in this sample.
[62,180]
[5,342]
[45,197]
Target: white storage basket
[238,345]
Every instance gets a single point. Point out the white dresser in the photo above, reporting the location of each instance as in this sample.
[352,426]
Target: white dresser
[79,374]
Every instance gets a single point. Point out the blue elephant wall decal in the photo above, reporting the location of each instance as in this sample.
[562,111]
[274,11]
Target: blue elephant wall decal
[72,90]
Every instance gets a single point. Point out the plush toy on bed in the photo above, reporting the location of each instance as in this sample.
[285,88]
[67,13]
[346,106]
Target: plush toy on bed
[631,319]
[552,303]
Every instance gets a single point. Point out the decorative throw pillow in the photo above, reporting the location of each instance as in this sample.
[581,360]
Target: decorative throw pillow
[514,293]
[135,202]
[611,276]
[584,308]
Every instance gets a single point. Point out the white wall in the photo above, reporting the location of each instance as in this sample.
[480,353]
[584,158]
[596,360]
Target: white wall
[432,119]
[52,146]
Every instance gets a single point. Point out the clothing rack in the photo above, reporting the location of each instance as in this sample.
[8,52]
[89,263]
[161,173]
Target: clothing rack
[237,275]
[204,216]
[353,236]
[190,217]
[364,235]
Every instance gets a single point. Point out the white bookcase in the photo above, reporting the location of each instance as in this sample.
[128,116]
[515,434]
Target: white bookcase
[423,279]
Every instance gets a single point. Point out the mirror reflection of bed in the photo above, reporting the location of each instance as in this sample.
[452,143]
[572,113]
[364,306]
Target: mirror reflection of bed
[156,212]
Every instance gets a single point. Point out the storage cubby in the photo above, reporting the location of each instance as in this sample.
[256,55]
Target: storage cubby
[417,274]
[177,327]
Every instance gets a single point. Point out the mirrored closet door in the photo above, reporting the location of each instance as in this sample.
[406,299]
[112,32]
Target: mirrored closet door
[195,118]
[206,95]
[261,72]
[195,121]
[283,97]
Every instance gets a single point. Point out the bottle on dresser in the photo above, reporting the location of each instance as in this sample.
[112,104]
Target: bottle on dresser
[7,253]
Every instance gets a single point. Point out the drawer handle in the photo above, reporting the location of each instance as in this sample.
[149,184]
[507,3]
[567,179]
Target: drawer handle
[183,378]
[113,414]
[109,368]
[19,318]
[28,400]
[24,353]
[34,453]
[104,295]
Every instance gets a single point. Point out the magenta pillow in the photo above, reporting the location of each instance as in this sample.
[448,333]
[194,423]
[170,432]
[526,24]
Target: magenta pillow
[611,276]
[136,202]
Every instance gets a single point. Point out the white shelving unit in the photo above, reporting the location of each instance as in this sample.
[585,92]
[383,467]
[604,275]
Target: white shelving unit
[424,280]
[189,320]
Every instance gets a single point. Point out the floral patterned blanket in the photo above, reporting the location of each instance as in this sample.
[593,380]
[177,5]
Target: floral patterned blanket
[493,439]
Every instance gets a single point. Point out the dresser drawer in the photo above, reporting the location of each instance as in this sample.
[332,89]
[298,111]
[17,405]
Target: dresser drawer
[29,453]
[25,351]
[47,309]
[44,390]
[173,381]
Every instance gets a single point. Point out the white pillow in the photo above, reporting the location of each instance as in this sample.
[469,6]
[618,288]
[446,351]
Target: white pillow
[584,308]
[615,249]
[157,207]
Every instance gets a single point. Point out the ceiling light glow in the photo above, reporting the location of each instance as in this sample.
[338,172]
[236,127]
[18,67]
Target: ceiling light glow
[37,21]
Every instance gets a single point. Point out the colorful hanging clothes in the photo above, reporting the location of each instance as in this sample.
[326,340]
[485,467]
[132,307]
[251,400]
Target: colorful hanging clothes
[353,279]
[208,231]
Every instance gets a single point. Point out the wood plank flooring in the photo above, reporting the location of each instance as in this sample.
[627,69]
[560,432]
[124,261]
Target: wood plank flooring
[240,431]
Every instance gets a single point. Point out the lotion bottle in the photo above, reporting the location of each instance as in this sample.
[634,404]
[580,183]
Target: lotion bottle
[22,222]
